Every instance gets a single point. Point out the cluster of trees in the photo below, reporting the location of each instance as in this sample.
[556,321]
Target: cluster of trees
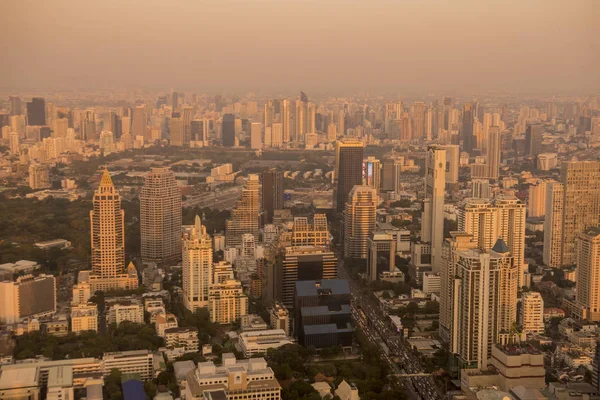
[199,319]
[214,220]
[126,336]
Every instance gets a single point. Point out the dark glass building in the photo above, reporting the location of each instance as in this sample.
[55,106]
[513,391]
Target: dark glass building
[272,194]
[348,170]
[228,133]
[36,111]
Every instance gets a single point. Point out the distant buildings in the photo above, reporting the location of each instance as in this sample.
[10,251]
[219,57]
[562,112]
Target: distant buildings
[245,216]
[348,170]
[272,194]
[36,112]
[160,217]
[39,176]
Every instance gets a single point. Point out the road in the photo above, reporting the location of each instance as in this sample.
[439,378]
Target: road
[416,387]
[222,200]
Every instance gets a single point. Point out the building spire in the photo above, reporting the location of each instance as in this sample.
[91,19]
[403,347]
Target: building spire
[106,181]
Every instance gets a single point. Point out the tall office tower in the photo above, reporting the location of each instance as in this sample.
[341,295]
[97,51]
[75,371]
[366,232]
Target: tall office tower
[126,125]
[341,124]
[448,108]
[39,176]
[485,293]
[331,132]
[536,203]
[15,105]
[300,121]
[14,145]
[502,218]
[381,254]
[303,263]
[160,217]
[580,206]
[533,139]
[348,170]
[139,122]
[198,131]
[268,114]
[531,318]
[393,112]
[108,230]
[88,126]
[418,120]
[277,138]
[433,203]
[588,274]
[553,224]
[59,127]
[359,220]
[467,128]
[255,135]
[284,116]
[174,100]
[493,153]
[310,118]
[187,115]
[176,129]
[272,194]
[228,130]
[372,173]
[458,241]
[452,165]
[245,216]
[36,112]
[391,171]
[197,267]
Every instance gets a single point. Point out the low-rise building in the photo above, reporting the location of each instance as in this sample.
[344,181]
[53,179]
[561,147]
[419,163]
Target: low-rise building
[58,327]
[233,380]
[139,362]
[186,337]
[280,317]
[124,309]
[519,365]
[252,322]
[258,342]
[84,317]
[164,322]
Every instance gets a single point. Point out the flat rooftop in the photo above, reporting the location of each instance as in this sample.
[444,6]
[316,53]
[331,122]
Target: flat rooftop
[19,377]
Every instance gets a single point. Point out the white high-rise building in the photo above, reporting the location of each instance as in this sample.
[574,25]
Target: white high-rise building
[531,318]
[452,163]
[197,266]
[359,220]
[588,274]
[432,221]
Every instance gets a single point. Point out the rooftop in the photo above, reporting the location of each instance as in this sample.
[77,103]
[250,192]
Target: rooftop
[18,377]
[311,288]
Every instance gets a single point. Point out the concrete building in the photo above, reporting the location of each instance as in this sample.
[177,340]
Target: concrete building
[531,317]
[82,292]
[227,302]
[256,141]
[124,309]
[348,170]
[433,204]
[22,383]
[519,365]
[381,254]
[359,220]
[39,176]
[84,317]
[536,203]
[305,233]
[160,217]
[245,216]
[234,379]
[372,173]
[452,165]
[280,318]
[186,337]
[164,322]
[258,342]
[588,274]
[547,161]
[139,362]
[303,263]
[197,267]
[579,201]
[27,297]
[108,240]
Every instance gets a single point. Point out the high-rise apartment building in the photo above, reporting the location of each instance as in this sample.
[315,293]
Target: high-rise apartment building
[176,129]
[227,302]
[531,317]
[197,267]
[418,120]
[39,176]
[485,289]
[305,233]
[359,220]
[504,218]
[493,153]
[348,170]
[468,118]
[255,135]
[272,194]
[571,207]
[245,217]
[36,112]
[588,274]
[228,130]
[433,203]
[536,203]
[372,173]
[160,217]
[108,240]
[452,164]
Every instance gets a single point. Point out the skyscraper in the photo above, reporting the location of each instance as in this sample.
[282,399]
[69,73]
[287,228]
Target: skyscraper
[432,221]
[533,139]
[588,274]
[348,170]
[228,130]
[36,111]
[176,129]
[160,217]
[418,120]
[359,220]
[493,153]
[139,122]
[108,240]
[452,165]
[197,267]
[15,105]
[272,193]
[579,201]
[372,173]
[531,318]
[467,128]
[285,121]
[255,135]
[245,216]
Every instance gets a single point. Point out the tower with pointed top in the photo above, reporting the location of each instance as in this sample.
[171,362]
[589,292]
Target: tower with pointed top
[108,240]
[197,266]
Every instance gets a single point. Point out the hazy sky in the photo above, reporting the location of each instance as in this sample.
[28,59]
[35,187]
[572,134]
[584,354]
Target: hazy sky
[338,45]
